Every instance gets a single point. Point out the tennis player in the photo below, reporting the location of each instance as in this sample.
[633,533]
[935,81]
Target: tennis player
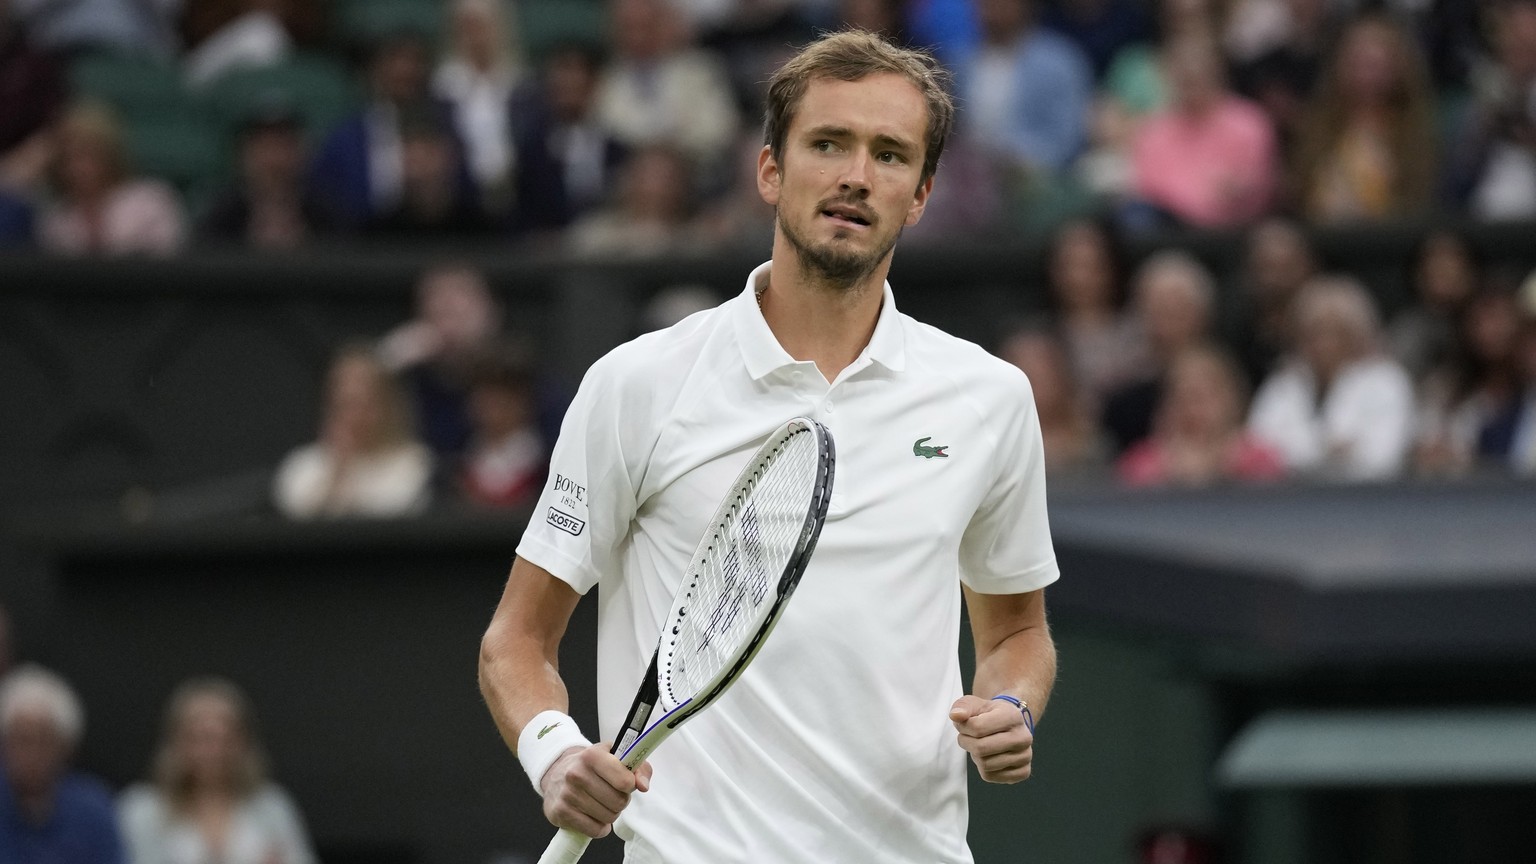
[846,741]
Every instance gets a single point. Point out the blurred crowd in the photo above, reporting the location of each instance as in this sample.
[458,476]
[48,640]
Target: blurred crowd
[1148,372]
[1140,373]
[632,134]
[206,794]
[1093,123]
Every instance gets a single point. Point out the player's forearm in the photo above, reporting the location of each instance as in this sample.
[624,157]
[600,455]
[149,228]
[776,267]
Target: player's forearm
[520,652]
[1023,665]
[518,681]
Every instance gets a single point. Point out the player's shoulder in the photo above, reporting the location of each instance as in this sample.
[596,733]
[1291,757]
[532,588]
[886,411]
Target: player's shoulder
[936,352]
[659,356]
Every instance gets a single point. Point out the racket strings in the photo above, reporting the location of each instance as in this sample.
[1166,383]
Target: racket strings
[735,580]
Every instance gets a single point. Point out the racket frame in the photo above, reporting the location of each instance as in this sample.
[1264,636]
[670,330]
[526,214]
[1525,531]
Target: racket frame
[638,740]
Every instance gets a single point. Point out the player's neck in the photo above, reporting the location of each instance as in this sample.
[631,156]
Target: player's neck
[825,323]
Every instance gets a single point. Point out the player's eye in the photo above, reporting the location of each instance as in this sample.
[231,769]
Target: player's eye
[890,158]
[824,146]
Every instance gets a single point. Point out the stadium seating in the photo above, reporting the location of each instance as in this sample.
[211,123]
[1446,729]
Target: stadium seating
[318,87]
[543,24]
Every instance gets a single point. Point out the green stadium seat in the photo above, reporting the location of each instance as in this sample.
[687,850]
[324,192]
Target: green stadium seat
[361,21]
[184,150]
[133,86]
[543,24]
[321,89]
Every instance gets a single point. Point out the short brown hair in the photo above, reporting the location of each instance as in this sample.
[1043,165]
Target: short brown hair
[851,55]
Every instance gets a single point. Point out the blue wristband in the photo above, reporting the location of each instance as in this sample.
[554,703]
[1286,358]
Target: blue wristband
[1029,718]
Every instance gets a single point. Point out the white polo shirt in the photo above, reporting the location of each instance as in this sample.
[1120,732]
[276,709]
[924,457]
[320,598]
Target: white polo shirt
[836,744]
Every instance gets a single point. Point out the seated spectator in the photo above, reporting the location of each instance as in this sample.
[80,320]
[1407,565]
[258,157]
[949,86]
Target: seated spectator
[675,302]
[1339,409]
[507,458]
[32,92]
[144,28]
[1026,90]
[271,208]
[1278,259]
[360,164]
[1198,437]
[1522,434]
[659,90]
[969,206]
[49,814]
[476,80]
[254,37]
[1367,145]
[753,39]
[1137,78]
[1084,276]
[1106,169]
[1278,69]
[947,27]
[100,208]
[567,160]
[1175,305]
[433,203]
[15,221]
[1446,272]
[739,218]
[1470,400]
[876,16]
[1100,28]
[366,461]
[456,322]
[651,214]
[1208,160]
[1492,170]
[209,798]
[1074,448]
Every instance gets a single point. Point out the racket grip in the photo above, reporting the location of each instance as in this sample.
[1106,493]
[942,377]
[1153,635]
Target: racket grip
[567,848]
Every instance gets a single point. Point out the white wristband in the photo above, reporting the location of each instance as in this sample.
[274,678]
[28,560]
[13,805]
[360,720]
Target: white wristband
[543,740]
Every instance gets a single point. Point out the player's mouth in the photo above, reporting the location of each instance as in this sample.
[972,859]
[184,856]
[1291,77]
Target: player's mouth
[852,217]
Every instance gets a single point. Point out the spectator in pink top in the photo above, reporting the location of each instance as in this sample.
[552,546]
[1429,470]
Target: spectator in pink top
[101,209]
[1209,159]
[1199,439]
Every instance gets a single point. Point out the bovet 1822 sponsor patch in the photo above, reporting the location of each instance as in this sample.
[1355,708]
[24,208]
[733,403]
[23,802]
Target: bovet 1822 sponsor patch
[565,522]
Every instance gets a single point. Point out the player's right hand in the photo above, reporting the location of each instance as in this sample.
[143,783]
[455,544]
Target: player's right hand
[587,787]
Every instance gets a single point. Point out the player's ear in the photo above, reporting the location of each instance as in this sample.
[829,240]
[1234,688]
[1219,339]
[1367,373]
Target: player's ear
[919,202]
[768,176]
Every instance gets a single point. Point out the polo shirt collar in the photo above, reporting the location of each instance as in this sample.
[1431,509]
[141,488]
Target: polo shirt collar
[763,354]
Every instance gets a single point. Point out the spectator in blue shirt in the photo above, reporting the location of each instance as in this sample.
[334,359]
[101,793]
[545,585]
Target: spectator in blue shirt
[1026,90]
[48,814]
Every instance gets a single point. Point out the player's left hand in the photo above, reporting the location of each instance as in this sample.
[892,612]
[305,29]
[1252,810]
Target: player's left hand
[993,732]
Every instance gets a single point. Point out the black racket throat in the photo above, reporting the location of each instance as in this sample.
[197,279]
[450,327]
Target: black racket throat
[640,711]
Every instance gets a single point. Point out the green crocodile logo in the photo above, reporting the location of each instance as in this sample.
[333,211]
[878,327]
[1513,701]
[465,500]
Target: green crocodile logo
[545,731]
[923,450]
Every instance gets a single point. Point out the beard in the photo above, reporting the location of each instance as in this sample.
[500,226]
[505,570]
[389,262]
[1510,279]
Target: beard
[834,266]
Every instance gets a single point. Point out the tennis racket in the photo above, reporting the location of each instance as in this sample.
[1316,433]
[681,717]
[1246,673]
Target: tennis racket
[735,588]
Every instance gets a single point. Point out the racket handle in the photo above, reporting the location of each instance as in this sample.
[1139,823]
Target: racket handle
[567,848]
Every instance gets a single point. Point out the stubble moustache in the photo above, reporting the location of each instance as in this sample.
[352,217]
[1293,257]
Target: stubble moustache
[835,267]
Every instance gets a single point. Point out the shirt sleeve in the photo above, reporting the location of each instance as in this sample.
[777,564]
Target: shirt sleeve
[587,504]
[137,816]
[1006,548]
[287,826]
